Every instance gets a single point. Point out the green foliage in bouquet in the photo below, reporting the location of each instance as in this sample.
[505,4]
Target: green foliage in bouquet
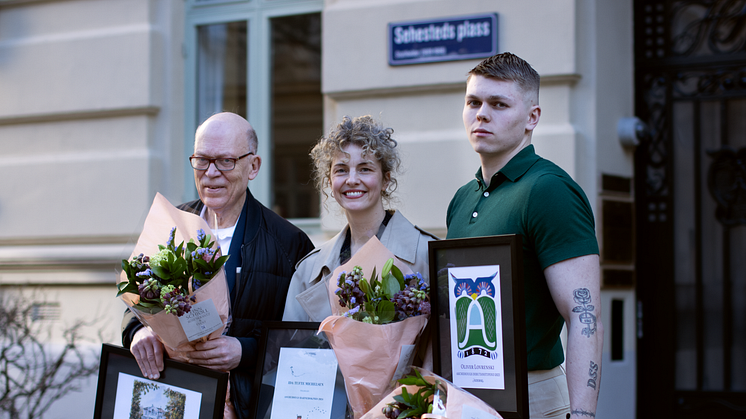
[406,405]
[393,297]
[162,280]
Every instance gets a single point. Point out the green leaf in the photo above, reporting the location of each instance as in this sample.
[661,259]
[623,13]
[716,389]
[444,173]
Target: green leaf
[386,311]
[387,267]
[389,286]
[405,395]
[365,287]
[125,287]
[160,272]
[201,265]
[399,276]
[408,380]
[408,413]
[220,261]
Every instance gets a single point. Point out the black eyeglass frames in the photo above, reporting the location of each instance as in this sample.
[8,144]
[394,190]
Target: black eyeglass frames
[224,164]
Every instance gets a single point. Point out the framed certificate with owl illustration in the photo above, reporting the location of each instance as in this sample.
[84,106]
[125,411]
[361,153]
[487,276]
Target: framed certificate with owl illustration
[478,321]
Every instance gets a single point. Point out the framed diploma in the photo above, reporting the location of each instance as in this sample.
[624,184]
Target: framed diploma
[299,376]
[183,390]
[478,332]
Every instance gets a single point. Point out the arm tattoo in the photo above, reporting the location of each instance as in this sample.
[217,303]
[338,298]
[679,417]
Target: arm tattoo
[582,296]
[593,373]
[581,412]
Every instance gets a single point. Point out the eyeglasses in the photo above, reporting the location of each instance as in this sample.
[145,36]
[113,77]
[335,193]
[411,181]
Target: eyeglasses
[224,164]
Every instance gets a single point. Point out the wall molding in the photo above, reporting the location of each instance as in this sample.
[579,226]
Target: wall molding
[439,88]
[78,115]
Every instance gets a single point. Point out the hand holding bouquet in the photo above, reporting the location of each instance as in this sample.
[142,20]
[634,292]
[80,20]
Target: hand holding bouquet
[179,292]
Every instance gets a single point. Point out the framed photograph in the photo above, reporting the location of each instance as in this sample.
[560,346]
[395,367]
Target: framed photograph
[300,378]
[183,390]
[478,321]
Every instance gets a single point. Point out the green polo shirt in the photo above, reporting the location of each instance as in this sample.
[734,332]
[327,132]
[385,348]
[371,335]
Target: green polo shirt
[535,198]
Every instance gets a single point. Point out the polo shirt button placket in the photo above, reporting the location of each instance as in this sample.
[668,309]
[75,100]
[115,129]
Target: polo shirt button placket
[474,214]
[486,194]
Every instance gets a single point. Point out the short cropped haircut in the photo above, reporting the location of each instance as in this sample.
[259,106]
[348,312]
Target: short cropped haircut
[253,140]
[366,133]
[509,67]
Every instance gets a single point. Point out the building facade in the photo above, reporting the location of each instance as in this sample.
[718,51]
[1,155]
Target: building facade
[99,100]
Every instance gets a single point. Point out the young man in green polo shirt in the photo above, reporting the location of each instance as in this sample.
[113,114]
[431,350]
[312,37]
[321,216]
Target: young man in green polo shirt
[518,192]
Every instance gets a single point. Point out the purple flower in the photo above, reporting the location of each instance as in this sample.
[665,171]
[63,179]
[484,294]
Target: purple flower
[171,235]
[200,234]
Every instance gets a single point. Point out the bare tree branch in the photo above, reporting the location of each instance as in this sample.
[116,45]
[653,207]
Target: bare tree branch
[33,372]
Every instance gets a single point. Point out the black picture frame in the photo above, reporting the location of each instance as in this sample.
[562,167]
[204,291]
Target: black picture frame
[117,363]
[276,335]
[507,252]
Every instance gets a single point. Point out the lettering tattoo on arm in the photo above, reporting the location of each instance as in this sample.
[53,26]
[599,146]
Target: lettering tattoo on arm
[581,412]
[582,296]
[593,373]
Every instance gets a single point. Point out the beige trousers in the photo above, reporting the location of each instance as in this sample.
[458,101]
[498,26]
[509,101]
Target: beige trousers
[547,394]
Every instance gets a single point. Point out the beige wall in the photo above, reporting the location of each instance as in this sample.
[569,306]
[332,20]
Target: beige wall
[87,132]
[91,113]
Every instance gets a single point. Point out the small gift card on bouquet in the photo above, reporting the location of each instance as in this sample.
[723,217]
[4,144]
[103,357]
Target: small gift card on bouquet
[380,321]
[178,291]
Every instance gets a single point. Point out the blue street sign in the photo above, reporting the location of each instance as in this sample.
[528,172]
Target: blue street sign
[451,39]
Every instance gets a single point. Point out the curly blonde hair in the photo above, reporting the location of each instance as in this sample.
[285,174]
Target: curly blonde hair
[366,133]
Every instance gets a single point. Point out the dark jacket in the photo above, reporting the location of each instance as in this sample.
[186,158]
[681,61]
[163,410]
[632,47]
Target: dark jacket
[271,248]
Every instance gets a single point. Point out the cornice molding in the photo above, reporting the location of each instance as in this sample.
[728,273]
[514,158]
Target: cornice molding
[438,88]
[78,115]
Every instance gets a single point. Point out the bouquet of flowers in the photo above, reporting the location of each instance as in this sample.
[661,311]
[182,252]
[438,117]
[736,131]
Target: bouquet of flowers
[394,297]
[179,292]
[378,322]
[424,394]
[165,280]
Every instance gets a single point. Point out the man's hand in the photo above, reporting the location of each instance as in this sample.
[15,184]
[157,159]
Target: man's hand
[148,351]
[222,354]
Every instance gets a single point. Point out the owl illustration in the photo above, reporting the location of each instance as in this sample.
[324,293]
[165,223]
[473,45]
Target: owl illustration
[475,312]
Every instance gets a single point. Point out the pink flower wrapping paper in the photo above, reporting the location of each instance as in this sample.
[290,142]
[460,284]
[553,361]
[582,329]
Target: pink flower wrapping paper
[161,218]
[456,399]
[368,354]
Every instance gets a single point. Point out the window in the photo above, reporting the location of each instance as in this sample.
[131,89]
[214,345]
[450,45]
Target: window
[261,60]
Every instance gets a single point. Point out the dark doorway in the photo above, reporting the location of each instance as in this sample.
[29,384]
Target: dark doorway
[690,63]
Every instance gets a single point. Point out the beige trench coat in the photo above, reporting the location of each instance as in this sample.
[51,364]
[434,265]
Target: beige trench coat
[308,299]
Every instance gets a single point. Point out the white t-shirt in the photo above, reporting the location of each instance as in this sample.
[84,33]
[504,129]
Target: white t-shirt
[223,235]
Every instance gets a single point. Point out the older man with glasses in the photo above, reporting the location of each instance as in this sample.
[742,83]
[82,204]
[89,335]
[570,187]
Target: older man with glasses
[263,247]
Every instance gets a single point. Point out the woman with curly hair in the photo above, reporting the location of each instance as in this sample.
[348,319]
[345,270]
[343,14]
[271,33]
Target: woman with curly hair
[357,161]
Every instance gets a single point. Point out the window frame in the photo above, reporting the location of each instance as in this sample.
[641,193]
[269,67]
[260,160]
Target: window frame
[257,14]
